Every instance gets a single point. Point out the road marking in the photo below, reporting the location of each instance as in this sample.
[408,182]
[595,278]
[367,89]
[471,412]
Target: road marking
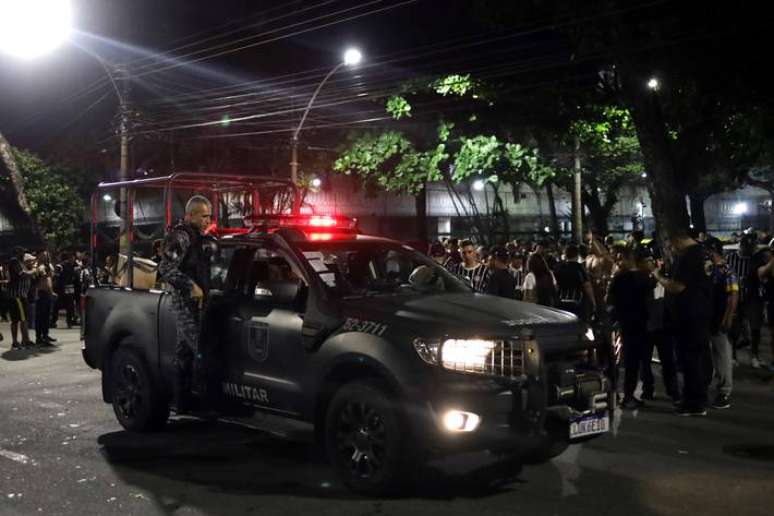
[16,457]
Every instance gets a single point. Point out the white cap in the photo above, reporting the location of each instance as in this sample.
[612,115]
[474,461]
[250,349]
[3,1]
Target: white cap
[28,257]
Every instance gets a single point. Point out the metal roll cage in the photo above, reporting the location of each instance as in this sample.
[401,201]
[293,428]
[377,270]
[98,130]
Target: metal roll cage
[214,185]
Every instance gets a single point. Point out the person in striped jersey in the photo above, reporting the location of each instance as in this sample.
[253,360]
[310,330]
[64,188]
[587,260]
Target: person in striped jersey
[471,267]
[21,274]
[516,268]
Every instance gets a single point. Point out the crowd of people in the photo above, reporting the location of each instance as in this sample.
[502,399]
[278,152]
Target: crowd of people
[34,289]
[710,300]
[696,311]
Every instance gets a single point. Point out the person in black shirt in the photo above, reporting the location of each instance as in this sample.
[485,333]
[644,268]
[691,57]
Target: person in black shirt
[766,275]
[438,253]
[501,281]
[629,293]
[688,301]
[67,286]
[575,292]
[745,264]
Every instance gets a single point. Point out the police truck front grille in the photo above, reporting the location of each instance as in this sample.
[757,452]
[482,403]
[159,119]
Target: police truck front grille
[505,360]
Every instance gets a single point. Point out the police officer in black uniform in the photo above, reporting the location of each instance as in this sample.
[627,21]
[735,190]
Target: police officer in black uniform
[185,268]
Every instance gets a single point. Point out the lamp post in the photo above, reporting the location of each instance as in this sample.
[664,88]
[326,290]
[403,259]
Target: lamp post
[351,58]
[32,28]
[28,29]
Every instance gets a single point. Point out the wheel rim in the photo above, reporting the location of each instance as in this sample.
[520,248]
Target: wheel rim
[361,439]
[128,394]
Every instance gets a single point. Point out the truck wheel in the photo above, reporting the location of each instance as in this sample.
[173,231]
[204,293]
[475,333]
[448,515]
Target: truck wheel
[138,405]
[365,438]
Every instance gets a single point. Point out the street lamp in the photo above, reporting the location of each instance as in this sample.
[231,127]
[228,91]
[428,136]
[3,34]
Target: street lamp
[32,28]
[351,57]
[316,182]
[653,84]
[478,185]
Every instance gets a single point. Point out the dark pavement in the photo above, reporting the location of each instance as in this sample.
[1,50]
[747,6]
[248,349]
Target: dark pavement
[62,452]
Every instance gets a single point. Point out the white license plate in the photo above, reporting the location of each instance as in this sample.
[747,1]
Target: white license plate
[589,425]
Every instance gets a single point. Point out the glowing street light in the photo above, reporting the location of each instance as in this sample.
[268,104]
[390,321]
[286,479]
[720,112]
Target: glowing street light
[31,28]
[653,84]
[739,208]
[107,197]
[352,56]
[316,182]
[478,185]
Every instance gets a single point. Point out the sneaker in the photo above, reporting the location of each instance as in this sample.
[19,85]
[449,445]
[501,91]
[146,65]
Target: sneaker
[44,343]
[50,339]
[631,403]
[721,402]
[16,345]
[690,411]
[755,363]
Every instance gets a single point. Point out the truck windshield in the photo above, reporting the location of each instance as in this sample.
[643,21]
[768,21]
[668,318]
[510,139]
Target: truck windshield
[351,269]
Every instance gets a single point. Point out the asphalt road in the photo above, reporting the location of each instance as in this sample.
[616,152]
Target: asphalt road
[62,452]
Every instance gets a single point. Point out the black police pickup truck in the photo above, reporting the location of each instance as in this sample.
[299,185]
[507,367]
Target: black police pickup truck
[390,357]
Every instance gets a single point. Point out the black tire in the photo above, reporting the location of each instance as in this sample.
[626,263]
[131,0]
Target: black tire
[138,404]
[366,440]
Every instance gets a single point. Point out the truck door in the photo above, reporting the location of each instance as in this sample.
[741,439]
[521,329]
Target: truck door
[265,369]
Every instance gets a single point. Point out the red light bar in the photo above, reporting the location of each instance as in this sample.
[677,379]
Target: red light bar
[322,221]
[305,221]
[321,236]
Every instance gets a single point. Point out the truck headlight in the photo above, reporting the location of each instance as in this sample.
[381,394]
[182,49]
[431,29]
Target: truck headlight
[466,354]
[470,355]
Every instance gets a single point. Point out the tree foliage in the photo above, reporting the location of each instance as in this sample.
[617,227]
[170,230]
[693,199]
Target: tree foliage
[55,201]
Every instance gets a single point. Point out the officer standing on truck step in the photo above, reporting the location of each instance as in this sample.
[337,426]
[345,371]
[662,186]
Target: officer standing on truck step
[185,268]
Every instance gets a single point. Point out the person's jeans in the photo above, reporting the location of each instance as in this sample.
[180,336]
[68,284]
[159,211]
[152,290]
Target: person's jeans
[748,321]
[68,300]
[722,362]
[634,344]
[42,314]
[693,352]
[664,344]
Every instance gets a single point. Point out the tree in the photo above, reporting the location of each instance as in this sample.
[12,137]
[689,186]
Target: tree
[55,202]
[15,181]
[610,158]
[457,153]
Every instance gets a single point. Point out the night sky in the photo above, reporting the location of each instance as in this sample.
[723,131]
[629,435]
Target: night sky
[37,96]
[291,44]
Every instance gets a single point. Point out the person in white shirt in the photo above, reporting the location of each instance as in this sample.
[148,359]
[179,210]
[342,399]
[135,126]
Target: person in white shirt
[539,283]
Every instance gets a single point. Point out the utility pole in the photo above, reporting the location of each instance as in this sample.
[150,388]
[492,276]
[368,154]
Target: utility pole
[577,200]
[122,80]
[294,159]
[121,83]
